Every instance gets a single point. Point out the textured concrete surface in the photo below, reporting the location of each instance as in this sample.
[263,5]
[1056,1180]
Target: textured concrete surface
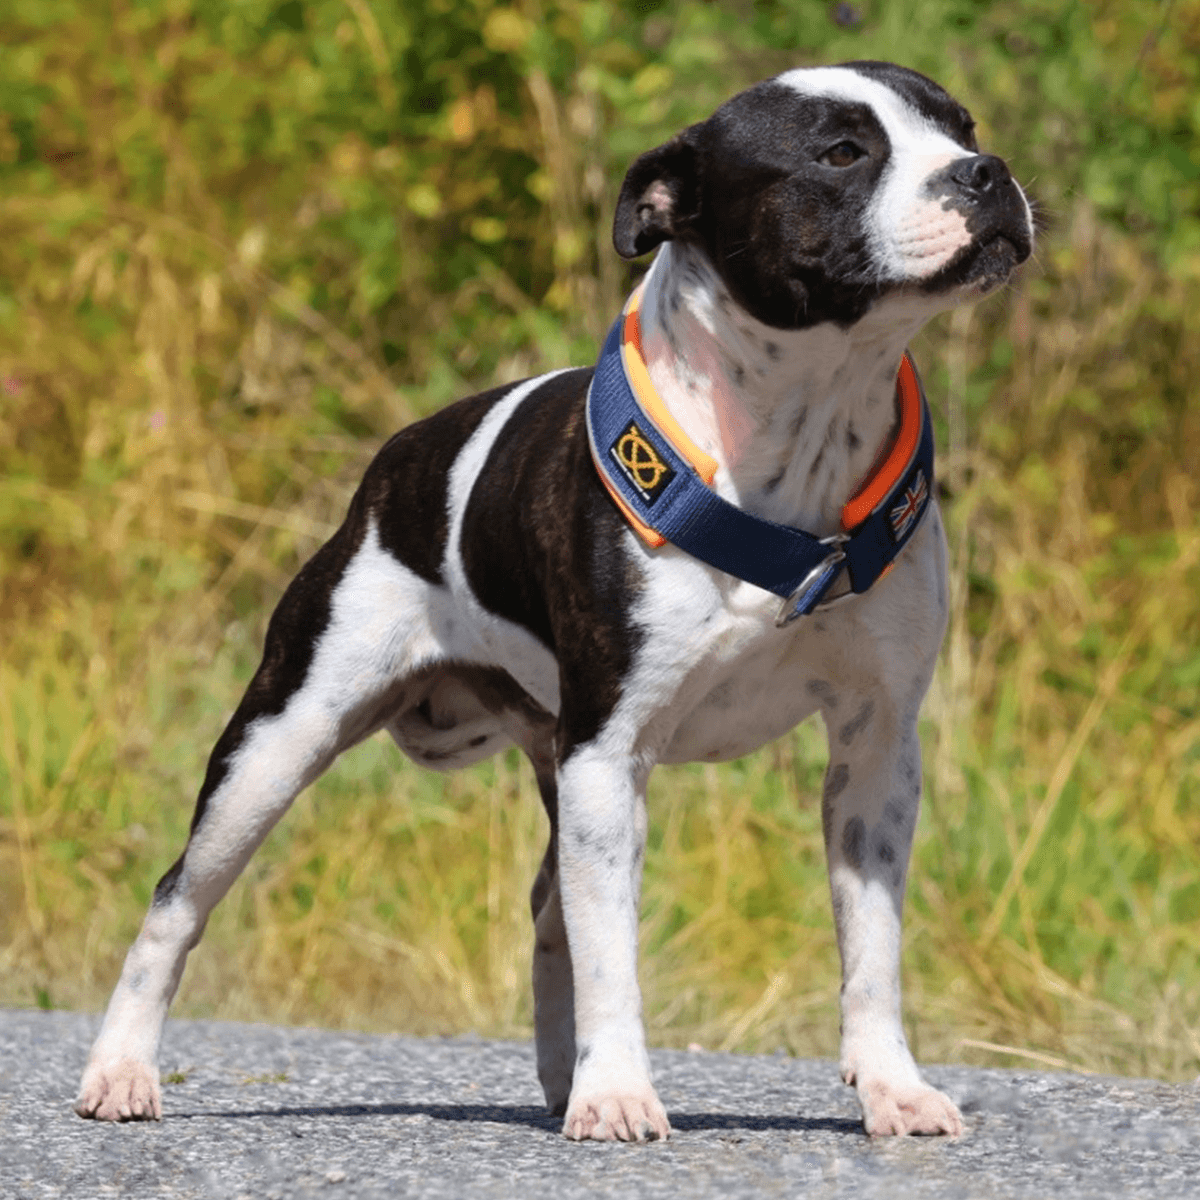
[264,1112]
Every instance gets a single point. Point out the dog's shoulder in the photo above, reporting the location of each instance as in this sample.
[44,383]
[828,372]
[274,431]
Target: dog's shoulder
[539,531]
[405,490]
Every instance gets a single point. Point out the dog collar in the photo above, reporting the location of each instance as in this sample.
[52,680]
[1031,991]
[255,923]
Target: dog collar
[662,482]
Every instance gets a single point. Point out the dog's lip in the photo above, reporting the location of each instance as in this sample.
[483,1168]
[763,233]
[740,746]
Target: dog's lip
[985,264]
[995,260]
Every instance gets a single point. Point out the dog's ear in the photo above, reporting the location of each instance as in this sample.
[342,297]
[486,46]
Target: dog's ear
[658,198]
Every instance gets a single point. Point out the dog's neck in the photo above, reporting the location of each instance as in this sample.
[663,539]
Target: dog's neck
[795,419]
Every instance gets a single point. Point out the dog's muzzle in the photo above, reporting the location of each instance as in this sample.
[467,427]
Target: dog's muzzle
[997,217]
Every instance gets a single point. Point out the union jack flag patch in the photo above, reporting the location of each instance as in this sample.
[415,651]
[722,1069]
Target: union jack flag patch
[904,515]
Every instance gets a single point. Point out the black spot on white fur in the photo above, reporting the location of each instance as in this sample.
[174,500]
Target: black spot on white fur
[854,836]
[836,779]
[857,723]
[823,691]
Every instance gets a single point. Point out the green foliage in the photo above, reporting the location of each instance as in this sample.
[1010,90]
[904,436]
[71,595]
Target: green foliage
[241,243]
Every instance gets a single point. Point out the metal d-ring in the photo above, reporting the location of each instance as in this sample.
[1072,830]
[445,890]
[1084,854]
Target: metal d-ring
[790,609]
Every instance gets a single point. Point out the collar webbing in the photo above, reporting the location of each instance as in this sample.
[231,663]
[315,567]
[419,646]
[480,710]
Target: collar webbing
[661,481]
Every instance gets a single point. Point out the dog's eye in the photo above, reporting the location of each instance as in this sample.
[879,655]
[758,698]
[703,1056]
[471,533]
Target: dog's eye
[844,154]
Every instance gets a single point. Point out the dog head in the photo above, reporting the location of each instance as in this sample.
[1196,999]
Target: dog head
[820,193]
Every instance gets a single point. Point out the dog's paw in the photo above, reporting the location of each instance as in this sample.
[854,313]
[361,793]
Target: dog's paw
[125,1090]
[625,1118]
[891,1109]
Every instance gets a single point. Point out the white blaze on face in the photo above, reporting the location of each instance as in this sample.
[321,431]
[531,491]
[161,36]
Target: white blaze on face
[912,235]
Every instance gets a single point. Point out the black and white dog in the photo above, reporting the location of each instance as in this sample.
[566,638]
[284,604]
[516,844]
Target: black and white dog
[488,588]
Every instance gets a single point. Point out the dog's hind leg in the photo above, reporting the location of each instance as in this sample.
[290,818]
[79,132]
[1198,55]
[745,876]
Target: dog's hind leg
[334,667]
[553,983]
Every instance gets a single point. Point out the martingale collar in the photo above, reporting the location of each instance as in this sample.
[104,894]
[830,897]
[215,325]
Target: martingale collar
[662,482]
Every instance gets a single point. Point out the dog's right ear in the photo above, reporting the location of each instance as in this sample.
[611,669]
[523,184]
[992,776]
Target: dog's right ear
[658,199]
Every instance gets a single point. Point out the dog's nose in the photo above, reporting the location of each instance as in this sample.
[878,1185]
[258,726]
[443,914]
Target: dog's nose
[980,174]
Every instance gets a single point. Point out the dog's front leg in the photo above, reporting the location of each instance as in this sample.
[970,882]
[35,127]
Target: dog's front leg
[869,811]
[601,844]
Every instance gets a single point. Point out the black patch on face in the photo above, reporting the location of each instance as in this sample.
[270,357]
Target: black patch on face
[980,187]
[774,188]
[542,547]
[761,150]
[934,103]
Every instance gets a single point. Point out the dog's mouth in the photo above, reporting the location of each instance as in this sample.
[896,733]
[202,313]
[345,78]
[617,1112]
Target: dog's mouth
[993,264]
[984,265]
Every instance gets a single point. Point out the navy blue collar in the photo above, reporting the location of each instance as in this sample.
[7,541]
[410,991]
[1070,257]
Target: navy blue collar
[661,482]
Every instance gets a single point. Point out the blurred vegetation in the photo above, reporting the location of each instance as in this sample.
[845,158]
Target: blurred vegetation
[241,241]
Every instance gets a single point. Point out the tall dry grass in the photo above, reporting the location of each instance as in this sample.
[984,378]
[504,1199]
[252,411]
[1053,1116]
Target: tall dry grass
[1053,895]
[181,426]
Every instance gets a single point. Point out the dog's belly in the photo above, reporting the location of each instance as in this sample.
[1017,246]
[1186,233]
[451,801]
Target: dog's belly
[742,709]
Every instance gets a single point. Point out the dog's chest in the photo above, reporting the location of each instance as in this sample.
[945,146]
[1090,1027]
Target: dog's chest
[743,711]
[748,684]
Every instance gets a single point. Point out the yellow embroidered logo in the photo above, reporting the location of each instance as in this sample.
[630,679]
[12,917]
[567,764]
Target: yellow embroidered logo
[640,463]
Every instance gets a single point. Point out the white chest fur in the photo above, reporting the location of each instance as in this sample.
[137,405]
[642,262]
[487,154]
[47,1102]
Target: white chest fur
[716,679]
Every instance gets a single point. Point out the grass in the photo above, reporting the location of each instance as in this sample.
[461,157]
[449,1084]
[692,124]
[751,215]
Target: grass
[1051,921]
[183,417]
[1054,896]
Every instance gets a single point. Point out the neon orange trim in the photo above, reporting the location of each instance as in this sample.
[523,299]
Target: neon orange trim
[856,510]
[651,537]
[648,397]
[864,502]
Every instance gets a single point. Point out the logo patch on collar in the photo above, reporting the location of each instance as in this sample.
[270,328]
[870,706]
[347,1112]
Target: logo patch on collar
[904,515]
[640,463]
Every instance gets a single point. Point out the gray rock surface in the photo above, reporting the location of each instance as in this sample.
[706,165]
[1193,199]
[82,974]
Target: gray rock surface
[264,1112]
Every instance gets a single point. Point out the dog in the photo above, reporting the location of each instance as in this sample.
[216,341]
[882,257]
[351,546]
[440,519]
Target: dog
[502,577]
